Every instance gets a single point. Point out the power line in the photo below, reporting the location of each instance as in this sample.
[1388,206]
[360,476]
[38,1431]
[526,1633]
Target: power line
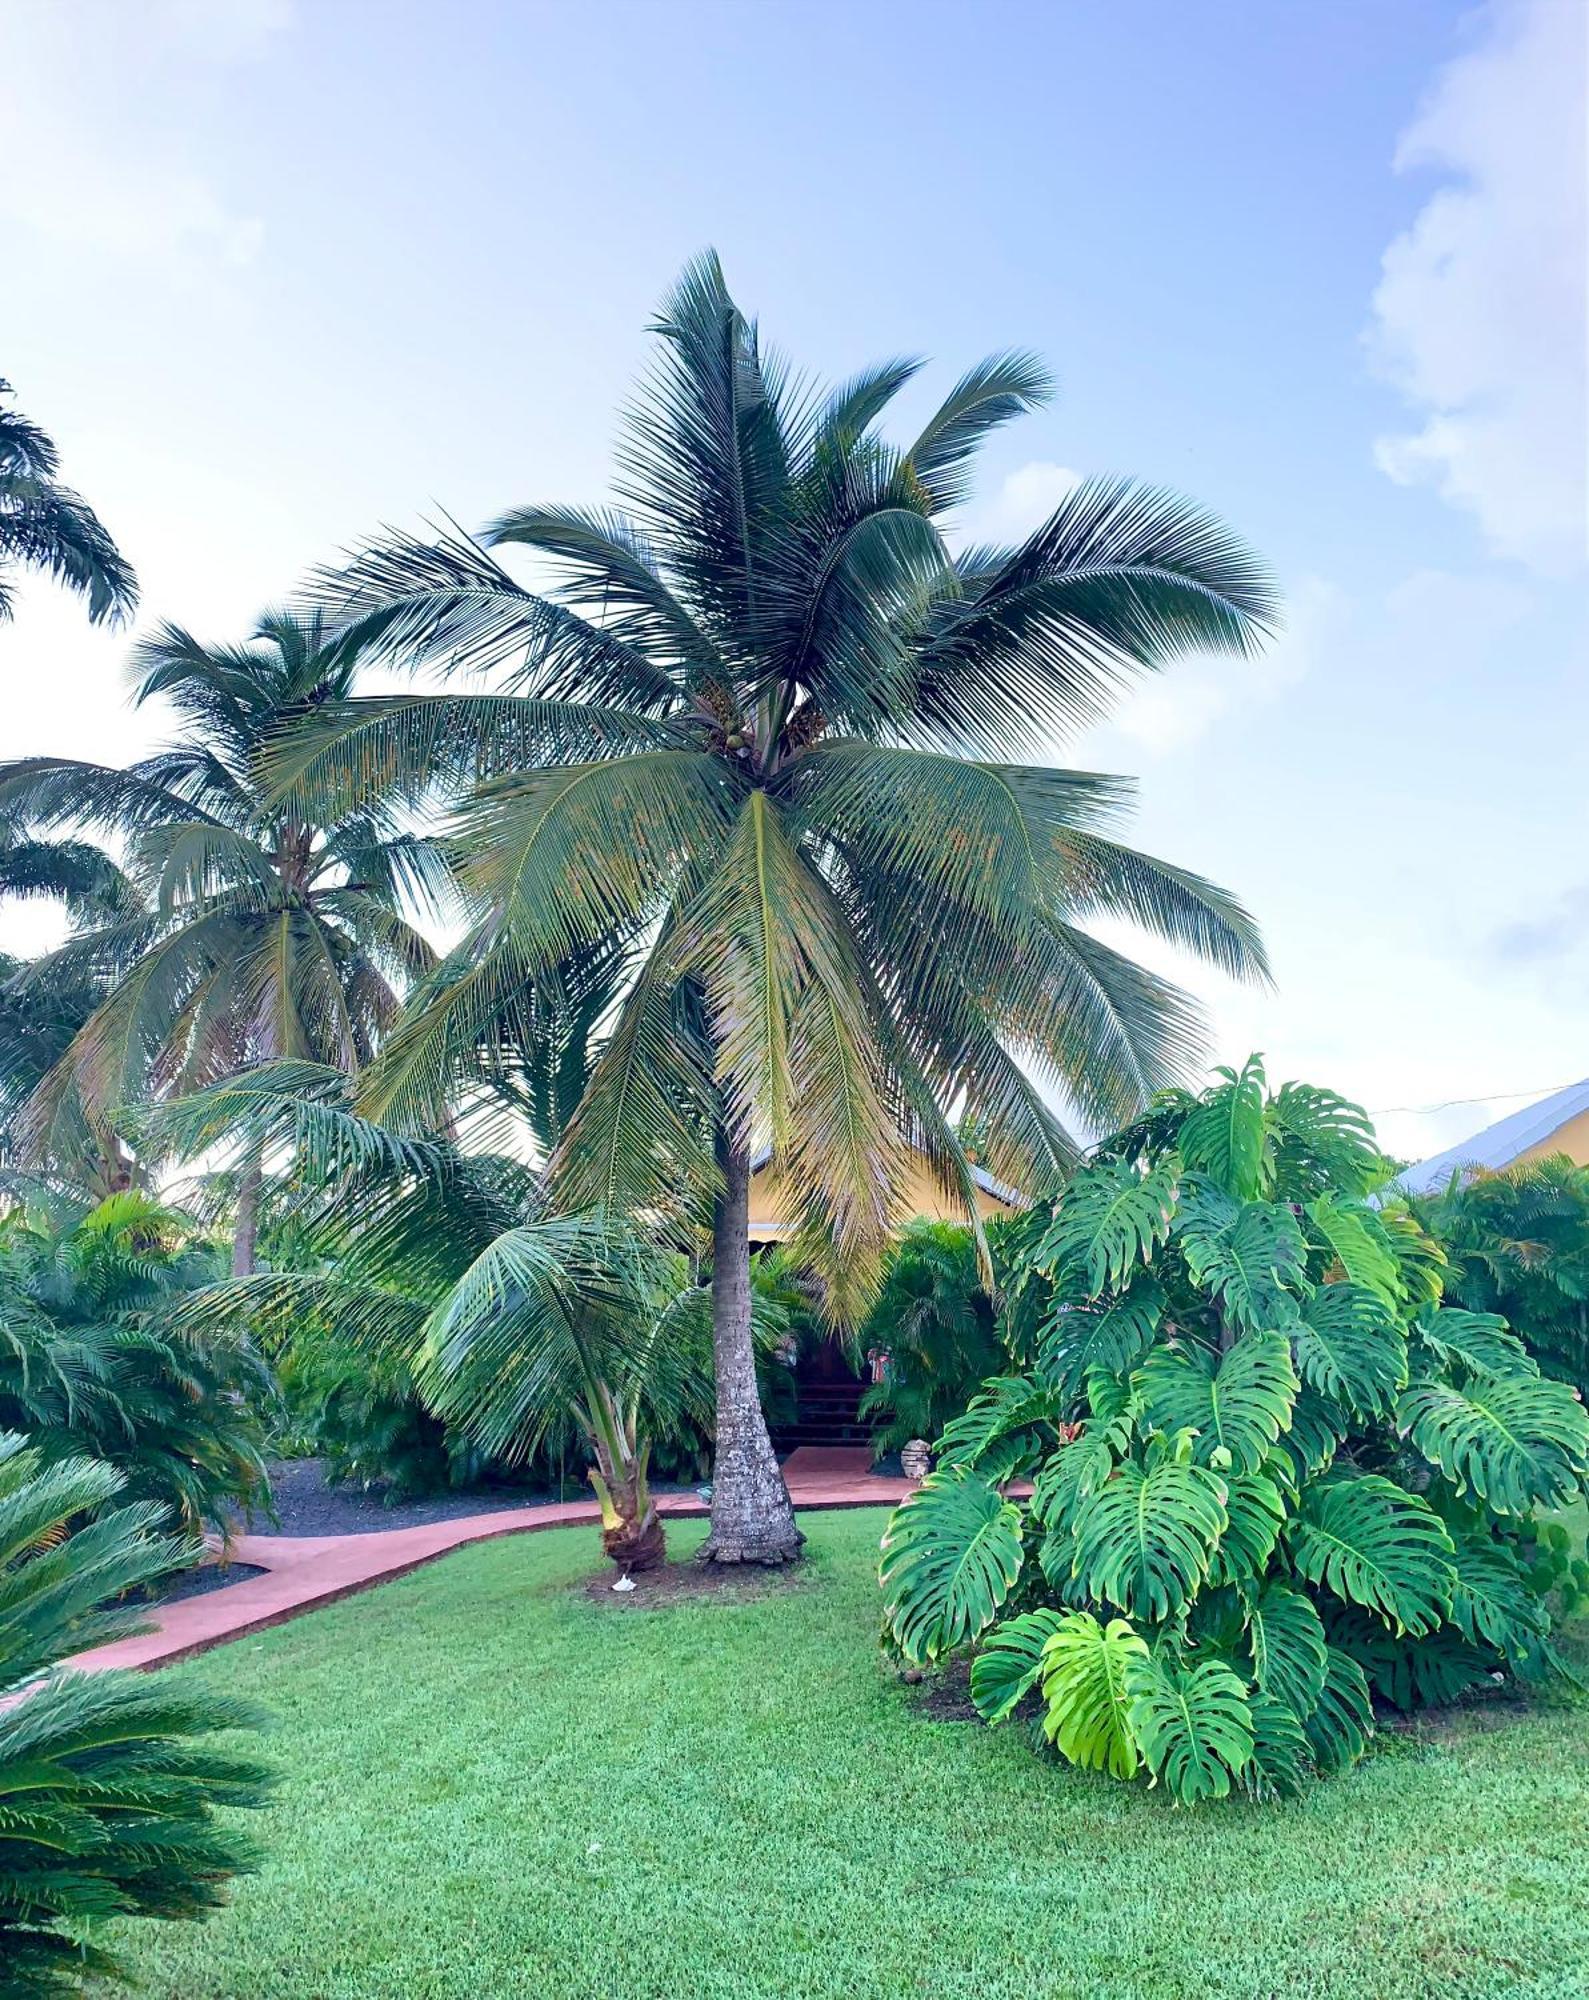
[1491,1097]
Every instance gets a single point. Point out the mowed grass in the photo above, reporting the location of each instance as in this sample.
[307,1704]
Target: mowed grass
[495,1786]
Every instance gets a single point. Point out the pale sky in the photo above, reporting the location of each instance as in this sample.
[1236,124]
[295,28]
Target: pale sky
[278,271]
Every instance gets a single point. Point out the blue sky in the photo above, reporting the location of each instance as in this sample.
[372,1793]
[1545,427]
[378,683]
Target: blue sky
[276,273]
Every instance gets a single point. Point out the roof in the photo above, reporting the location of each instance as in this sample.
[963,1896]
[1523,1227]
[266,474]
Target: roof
[989,1184]
[1500,1144]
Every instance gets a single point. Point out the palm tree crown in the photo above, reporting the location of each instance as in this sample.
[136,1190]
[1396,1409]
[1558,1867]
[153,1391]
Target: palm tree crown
[45,525]
[240,931]
[753,755]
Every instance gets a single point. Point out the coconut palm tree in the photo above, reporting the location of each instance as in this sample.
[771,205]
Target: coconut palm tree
[45,525]
[757,739]
[250,930]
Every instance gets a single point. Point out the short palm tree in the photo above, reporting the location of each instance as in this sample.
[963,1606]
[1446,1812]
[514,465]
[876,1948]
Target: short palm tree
[45,525]
[512,1322]
[109,1783]
[757,743]
[251,931]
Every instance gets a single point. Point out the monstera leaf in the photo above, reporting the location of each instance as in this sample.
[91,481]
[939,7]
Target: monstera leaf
[1085,1666]
[1491,1604]
[1110,1219]
[1077,1340]
[1071,1473]
[1409,1673]
[1317,1428]
[1011,1411]
[1257,1510]
[1237,1403]
[1321,1140]
[1480,1342]
[1363,1538]
[1357,1240]
[1519,1442]
[1285,1636]
[1350,1348]
[1223,1138]
[1192,1724]
[1010,1660]
[1342,1721]
[951,1557]
[1244,1254]
[1144,1541]
[1282,1758]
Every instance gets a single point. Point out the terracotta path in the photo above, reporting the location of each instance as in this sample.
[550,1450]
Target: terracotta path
[303,1572]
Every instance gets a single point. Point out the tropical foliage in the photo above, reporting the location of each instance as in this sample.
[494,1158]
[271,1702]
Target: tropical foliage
[934,1322]
[749,817]
[90,1363]
[109,1783]
[46,526]
[1517,1244]
[449,1272]
[1273,1476]
[242,929]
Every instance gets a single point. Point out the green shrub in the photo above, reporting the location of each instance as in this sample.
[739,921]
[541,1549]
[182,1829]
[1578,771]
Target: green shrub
[935,1321]
[109,1783]
[1273,1478]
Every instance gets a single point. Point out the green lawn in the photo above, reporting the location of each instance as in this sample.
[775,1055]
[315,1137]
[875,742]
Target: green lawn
[496,1787]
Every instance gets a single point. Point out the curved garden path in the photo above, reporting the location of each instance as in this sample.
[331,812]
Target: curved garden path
[303,1572]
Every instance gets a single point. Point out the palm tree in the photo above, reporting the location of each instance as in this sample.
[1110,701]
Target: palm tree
[756,743]
[45,525]
[249,931]
[512,1321]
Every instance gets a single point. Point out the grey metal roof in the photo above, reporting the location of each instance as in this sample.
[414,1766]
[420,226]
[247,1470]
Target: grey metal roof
[1500,1144]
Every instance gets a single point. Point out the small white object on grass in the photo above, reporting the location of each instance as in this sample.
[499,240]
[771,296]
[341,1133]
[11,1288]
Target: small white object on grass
[625,1582]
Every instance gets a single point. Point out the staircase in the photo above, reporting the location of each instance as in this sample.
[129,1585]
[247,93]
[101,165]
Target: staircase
[826,1416]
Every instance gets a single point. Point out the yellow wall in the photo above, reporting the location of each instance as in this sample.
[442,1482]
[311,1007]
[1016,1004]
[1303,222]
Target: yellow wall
[1571,1139]
[770,1217]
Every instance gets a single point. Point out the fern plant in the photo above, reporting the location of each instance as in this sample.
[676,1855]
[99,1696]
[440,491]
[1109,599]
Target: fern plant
[1273,1478]
[109,1783]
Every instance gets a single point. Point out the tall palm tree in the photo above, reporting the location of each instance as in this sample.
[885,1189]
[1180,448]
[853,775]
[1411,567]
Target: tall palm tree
[756,742]
[252,930]
[45,525]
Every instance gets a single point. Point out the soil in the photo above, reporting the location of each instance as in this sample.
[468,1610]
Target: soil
[944,1695]
[196,1582]
[308,1506]
[676,1582]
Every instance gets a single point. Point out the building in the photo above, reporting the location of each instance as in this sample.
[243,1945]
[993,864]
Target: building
[1556,1124]
[771,1212]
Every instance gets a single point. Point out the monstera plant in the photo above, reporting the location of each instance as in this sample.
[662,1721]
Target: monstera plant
[1271,1477]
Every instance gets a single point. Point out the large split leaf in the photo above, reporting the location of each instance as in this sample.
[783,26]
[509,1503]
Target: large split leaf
[1009,1409]
[1224,1137]
[1372,1544]
[1085,1665]
[1357,1240]
[1145,1540]
[1192,1724]
[951,1557]
[1237,1403]
[1519,1442]
[1343,1719]
[1110,1218]
[1350,1348]
[1408,1672]
[1285,1636]
[1113,1337]
[1010,1661]
[1491,1604]
[1246,1254]
[1480,1342]
[1282,1757]
[1257,1510]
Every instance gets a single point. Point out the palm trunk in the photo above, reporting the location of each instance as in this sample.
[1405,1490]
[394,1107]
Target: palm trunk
[245,1235]
[752,1519]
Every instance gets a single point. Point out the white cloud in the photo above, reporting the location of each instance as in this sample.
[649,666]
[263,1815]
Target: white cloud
[1171,710]
[1479,317]
[1023,502]
[71,80]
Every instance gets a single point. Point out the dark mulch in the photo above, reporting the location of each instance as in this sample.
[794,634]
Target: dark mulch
[676,1582]
[308,1506]
[196,1582]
